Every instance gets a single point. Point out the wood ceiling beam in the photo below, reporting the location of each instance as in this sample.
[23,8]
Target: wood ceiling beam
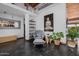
[33,5]
[73,19]
[73,11]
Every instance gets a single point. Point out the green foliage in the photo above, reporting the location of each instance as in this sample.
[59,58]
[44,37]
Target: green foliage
[72,33]
[57,35]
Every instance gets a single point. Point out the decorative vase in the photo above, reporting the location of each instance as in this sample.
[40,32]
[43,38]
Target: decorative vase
[57,42]
[72,43]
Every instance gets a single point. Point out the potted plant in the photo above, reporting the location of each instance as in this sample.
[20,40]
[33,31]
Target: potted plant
[72,34]
[56,37]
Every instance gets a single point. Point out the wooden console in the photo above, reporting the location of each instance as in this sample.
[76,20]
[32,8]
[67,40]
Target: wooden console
[7,38]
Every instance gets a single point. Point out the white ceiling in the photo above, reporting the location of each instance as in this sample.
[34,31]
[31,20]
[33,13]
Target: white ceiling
[10,10]
[42,5]
[17,11]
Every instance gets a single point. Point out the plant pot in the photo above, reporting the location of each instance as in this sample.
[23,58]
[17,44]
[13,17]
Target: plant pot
[57,42]
[71,43]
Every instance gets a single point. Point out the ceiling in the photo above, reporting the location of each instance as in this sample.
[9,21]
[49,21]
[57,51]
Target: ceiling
[9,10]
[38,6]
[73,11]
[33,5]
[4,9]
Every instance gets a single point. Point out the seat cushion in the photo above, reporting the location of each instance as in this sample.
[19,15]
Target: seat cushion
[38,41]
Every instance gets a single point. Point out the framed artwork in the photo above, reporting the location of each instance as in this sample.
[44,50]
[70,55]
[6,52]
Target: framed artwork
[9,24]
[48,22]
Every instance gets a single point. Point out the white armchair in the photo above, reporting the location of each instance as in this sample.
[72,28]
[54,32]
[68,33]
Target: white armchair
[38,37]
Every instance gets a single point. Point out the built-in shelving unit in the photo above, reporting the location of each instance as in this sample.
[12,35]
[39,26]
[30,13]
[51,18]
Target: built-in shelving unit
[32,28]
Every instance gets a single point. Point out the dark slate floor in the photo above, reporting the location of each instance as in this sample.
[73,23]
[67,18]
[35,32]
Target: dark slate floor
[26,48]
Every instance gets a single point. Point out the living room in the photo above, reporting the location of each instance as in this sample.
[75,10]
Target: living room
[19,23]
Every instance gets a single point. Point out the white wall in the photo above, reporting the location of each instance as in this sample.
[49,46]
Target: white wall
[27,26]
[59,17]
[18,32]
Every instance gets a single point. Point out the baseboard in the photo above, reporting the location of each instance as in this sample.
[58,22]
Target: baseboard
[27,40]
[20,38]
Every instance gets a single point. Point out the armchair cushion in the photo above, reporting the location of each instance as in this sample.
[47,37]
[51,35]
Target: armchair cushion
[38,41]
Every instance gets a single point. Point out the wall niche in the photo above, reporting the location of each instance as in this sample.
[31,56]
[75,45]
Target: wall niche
[9,24]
